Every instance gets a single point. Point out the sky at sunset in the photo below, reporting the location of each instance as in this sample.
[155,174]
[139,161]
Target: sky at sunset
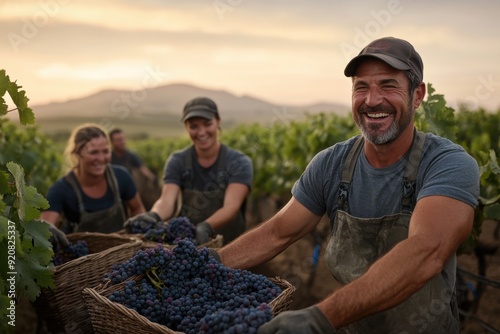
[286,52]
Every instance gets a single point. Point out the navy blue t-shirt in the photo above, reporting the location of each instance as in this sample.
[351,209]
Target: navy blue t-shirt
[62,198]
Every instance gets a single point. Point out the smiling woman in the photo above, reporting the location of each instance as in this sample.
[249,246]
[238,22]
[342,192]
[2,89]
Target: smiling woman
[93,196]
[211,180]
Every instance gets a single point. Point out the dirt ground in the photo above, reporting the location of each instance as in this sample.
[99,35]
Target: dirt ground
[313,284]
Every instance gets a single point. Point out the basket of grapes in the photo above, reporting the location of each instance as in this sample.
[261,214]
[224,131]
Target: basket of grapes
[167,233]
[183,290]
[81,264]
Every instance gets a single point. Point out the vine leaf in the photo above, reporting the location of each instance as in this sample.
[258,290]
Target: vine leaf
[34,255]
[4,83]
[28,199]
[32,265]
[18,96]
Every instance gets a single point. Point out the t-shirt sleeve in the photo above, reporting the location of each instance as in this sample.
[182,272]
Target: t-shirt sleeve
[240,170]
[56,196]
[172,172]
[452,172]
[309,188]
[125,183]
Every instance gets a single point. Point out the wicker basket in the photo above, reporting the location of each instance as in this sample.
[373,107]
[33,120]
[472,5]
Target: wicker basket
[63,308]
[112,317]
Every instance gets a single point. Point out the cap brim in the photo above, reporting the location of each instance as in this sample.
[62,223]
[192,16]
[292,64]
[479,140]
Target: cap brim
[198,113]
[350,69]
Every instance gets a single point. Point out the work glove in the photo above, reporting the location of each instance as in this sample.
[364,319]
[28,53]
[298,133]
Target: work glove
[147,220]
[306,321]
[58,236]
[215,255]
[204,233]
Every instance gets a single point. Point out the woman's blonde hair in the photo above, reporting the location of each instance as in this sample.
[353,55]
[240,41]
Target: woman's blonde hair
[79,137]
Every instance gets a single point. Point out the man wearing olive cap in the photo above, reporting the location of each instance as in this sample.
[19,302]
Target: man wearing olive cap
[399,201]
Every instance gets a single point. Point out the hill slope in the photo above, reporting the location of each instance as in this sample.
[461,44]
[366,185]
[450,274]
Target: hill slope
[156,111]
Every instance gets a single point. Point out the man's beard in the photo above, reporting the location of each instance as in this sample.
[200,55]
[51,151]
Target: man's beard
[394,130]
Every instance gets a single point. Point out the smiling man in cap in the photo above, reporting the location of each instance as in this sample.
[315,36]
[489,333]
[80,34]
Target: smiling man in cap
[399,202]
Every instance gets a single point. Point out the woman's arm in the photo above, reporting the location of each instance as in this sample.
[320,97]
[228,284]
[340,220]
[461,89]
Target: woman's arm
[235,194]
[165,206]
[135,205]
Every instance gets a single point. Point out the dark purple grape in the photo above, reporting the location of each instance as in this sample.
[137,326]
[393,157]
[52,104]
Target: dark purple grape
[72,251]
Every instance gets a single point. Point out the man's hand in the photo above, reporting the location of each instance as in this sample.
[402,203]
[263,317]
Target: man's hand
[306,321]
[58,236]
[204,233]
[147,218]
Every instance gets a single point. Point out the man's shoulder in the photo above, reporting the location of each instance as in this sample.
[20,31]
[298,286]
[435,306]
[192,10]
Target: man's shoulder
[439,146]
[119,170]
[131,154]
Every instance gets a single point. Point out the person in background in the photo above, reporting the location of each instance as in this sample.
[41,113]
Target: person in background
[93,196]
[120,155]
[400,202]
[211,179]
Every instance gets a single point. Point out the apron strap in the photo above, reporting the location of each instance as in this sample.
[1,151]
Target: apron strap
[71,178]
[410,173]
[187,174]
[348,171]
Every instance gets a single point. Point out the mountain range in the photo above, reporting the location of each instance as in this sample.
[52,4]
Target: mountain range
[164,103]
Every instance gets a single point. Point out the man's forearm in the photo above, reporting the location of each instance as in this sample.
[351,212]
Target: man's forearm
[250,250]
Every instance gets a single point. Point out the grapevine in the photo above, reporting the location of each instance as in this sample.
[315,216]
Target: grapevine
[23,164]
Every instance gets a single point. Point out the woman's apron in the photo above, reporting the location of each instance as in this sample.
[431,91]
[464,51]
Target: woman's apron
[199,205]
[104,221]
[356,243]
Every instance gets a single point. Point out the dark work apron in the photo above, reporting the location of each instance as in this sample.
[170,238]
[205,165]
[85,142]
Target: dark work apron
[356,243]
[199,205]
[104,221]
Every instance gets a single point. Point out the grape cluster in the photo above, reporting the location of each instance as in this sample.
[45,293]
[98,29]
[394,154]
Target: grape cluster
[176,229]
[139,226]
[187,290]
[72,251]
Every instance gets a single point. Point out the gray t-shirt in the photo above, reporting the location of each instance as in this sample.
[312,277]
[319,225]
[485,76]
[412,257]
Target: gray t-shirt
[237,169]
[445,170]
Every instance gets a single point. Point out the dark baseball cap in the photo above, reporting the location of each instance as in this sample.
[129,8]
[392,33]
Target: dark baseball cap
[395,52]
[200,107]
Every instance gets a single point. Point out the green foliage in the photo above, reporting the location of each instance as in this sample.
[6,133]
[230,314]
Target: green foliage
[25,163]
[31,149]
[154,152]
[19,98]
[435,116]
